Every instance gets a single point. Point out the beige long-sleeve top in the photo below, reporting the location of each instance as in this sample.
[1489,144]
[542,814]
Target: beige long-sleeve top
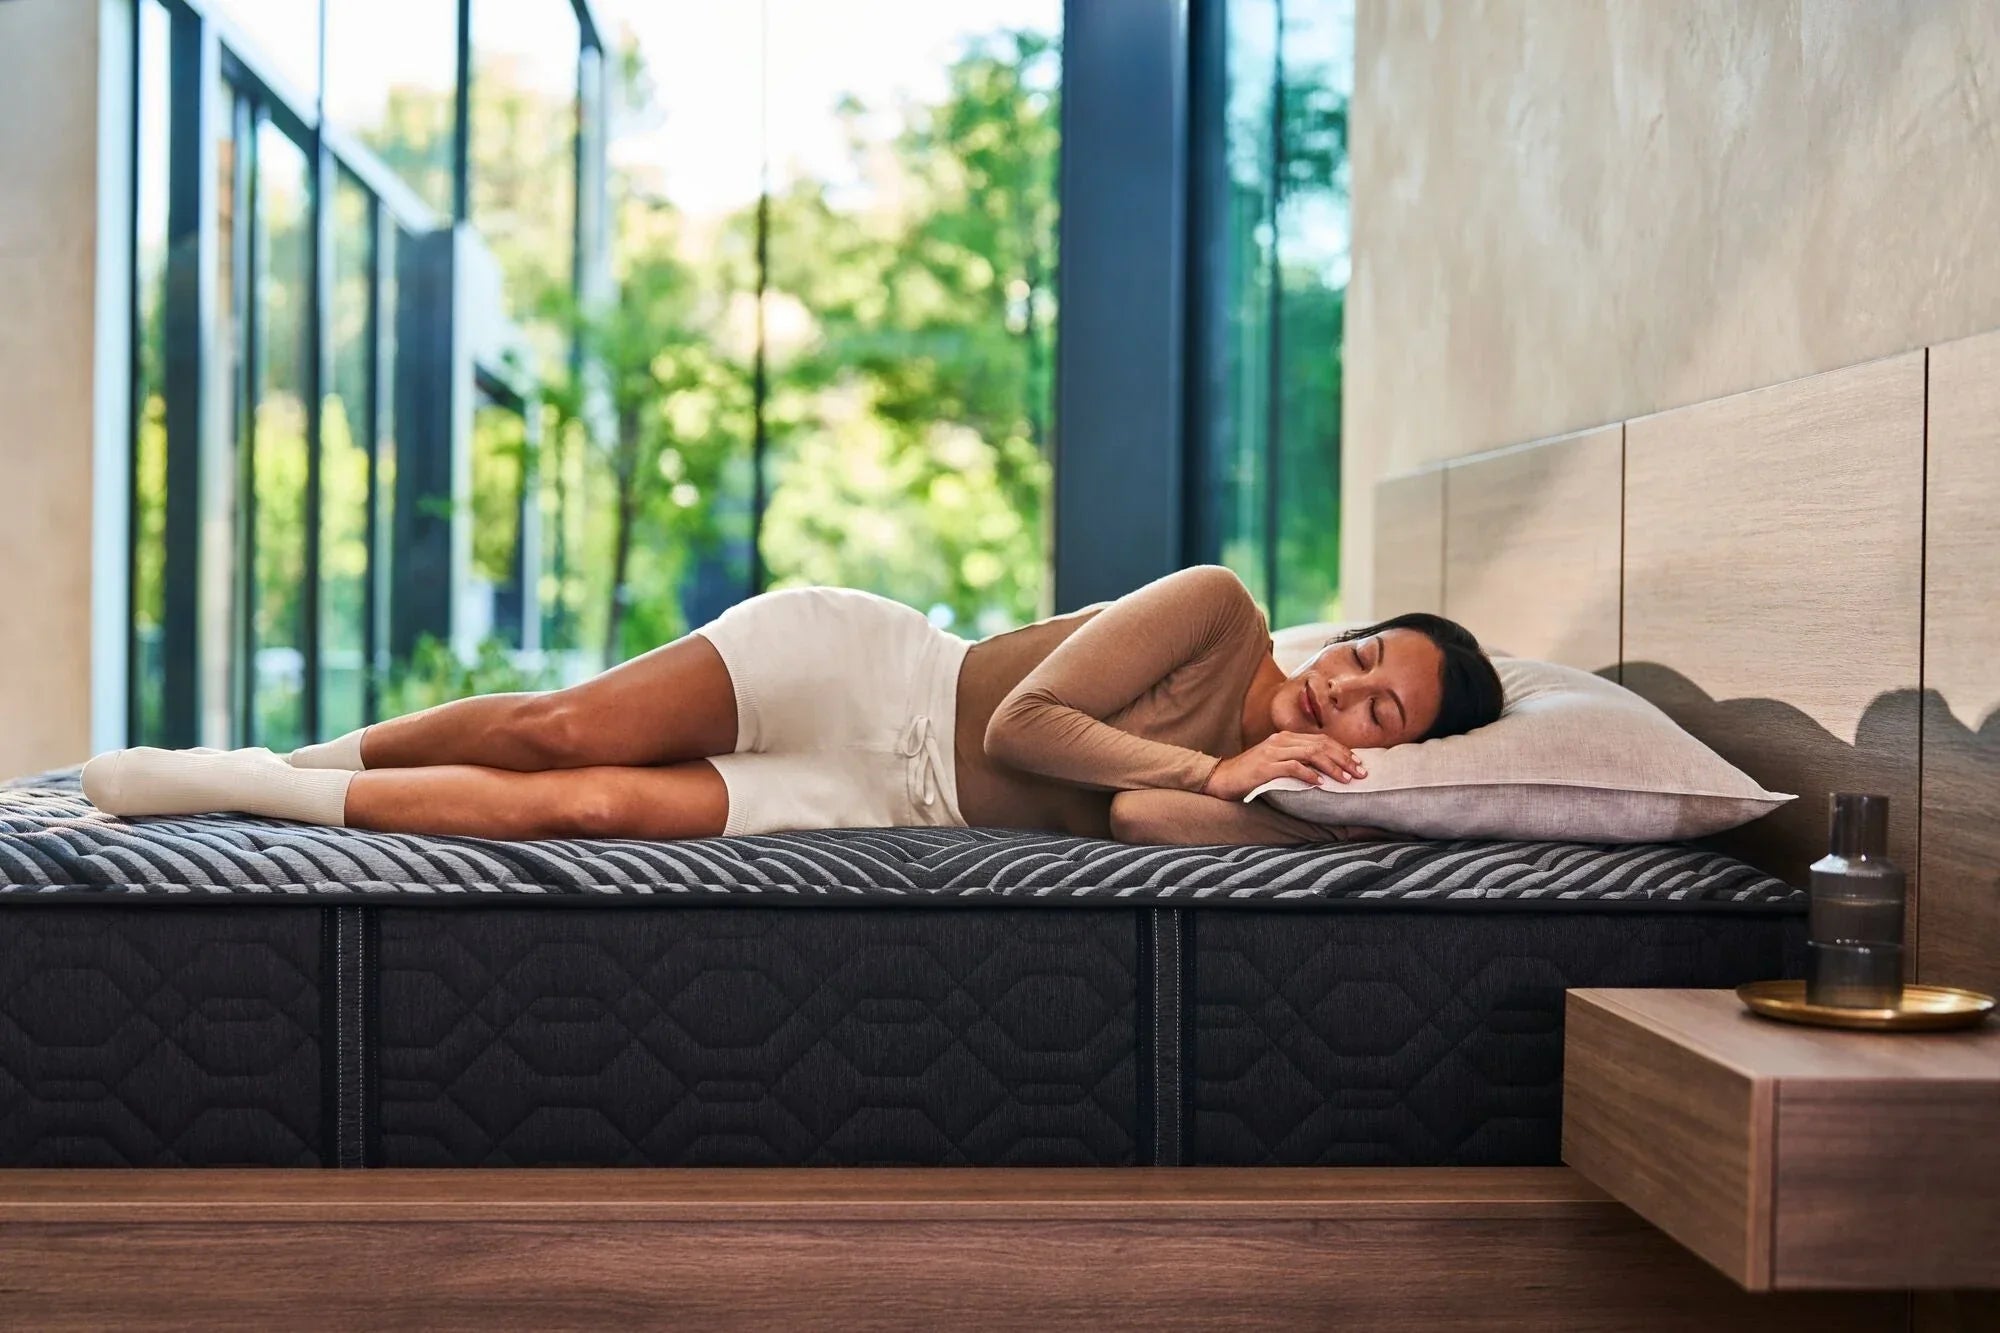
[1109,719]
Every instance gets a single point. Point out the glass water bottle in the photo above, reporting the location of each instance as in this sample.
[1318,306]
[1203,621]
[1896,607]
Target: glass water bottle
[1854,947]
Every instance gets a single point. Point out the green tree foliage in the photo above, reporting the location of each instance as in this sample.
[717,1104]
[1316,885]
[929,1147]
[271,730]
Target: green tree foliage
[909,340]
[909,347]
[414,139]
[910,422]
[522,163]
[1312,296]
[658,408]
[435,675]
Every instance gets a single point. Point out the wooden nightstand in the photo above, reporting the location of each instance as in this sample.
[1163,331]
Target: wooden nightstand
[1790,1157]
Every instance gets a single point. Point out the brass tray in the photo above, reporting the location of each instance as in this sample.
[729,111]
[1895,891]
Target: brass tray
[1924,1008]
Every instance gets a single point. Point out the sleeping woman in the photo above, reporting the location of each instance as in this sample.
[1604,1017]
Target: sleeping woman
[1146,719]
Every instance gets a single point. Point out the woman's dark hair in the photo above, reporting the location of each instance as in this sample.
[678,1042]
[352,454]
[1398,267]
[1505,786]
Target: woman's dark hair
[1471,695]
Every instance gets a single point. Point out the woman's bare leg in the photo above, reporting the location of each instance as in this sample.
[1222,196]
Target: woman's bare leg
[686,800]
[665,706]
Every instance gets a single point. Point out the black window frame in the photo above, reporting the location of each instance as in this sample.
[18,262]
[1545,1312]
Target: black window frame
[213,69]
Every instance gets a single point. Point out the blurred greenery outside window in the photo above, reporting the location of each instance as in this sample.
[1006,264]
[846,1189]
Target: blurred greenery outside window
[1289,72]
[278,452]
[522,155]
[907,335]
[500,461]
[391,78]
[149,445]
[1243,475]
[1312,232]
[346,439]
[907,330]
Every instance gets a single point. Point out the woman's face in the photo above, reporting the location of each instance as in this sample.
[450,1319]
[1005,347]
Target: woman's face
[1379,691]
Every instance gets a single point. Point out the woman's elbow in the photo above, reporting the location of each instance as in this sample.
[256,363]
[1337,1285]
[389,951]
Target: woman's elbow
[998,740]
[1006,738]
[1133,821]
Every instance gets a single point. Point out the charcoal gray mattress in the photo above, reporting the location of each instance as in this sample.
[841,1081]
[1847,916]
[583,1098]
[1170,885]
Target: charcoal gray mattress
[220,990]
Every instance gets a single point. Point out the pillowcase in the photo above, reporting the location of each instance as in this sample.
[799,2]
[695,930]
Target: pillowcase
[1572,758]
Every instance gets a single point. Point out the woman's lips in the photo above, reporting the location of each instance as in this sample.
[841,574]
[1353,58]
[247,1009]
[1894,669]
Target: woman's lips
[1311,704]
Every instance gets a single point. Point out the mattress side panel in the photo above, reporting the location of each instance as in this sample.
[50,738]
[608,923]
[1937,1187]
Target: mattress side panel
[757,1036]
[132,1037]
[1423,1038]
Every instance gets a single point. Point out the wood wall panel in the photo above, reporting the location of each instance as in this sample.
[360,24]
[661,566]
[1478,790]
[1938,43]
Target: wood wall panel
[1409,544]
[1773,582]
[1959,927]
[1532,548]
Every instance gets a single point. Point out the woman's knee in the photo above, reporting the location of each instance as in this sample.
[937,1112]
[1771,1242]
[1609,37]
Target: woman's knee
[595,810]
[685,801]
[550,729]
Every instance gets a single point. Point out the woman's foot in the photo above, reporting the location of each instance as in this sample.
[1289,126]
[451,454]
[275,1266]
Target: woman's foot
[149,781]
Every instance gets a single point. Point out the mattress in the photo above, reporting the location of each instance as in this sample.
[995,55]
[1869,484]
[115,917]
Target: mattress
[219,990]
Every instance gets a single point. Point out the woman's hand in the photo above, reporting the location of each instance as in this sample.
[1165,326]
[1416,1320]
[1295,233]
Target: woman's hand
[1285,754]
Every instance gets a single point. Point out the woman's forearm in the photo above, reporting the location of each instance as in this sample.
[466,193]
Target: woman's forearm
[1192,819]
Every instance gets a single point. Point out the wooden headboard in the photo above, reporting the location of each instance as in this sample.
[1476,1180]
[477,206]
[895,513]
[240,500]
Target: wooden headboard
[1806,576]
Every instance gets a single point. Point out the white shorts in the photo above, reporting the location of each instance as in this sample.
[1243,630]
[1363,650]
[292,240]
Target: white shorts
[845,708]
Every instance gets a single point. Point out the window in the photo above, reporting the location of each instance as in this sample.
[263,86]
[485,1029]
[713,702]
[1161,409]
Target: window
[382,547]
[500,475]
[1243,477]
[347,440]
[280,36]
[271,337]
[219,598]
[523,152]
[1273,251]
[279,363]
[880,418]
[910,320]
[392,80]
[147,723]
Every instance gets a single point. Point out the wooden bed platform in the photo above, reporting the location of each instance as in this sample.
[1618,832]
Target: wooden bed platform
[1519,1248]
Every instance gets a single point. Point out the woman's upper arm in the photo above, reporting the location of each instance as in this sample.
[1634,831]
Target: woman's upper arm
[1052,721]
[1194,819]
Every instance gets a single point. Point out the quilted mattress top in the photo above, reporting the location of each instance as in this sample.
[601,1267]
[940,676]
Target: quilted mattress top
[55,846]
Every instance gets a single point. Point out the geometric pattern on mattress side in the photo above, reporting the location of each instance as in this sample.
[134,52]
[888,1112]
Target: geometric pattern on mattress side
[52,841]
[1423,1038]
[134,1037]
[514,1037]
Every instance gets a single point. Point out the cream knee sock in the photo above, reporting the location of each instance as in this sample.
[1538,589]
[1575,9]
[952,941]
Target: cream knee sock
[340,752]
[148,781]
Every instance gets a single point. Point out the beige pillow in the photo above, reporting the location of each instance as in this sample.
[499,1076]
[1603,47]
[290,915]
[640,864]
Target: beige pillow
[1572,758]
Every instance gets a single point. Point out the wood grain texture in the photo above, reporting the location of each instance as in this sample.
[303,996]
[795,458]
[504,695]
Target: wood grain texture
[1355,1250]
[1671,1133]
[1888,1184]
[1409,544]
[1960,907]
[1532,548]
[821,1194]
[1716,1024]
[1773,582]
[1872,1163]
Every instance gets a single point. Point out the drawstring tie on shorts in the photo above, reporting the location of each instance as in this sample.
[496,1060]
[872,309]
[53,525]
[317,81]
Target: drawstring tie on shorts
[926,777]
